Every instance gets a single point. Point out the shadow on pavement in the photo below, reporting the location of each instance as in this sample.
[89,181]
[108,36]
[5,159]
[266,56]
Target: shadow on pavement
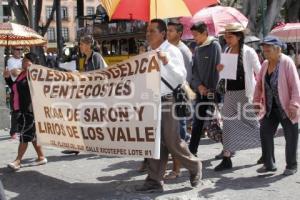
[242,183]
[30,162]
[34,185]
[5,138]
[128,164]
[71,157]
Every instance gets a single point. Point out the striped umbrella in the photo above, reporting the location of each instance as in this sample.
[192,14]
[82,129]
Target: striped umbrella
[149,9]
[12,34]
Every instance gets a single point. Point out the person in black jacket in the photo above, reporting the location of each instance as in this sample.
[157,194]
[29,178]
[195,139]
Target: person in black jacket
[23,106]
[204,79]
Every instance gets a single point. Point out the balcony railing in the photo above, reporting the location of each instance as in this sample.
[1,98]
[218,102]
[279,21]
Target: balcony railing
[118,27]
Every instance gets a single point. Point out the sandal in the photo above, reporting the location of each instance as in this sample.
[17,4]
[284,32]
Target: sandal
[13,166]
[41,162]
[172,175]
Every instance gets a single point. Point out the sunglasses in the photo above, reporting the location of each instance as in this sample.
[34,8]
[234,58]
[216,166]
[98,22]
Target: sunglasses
[18,49]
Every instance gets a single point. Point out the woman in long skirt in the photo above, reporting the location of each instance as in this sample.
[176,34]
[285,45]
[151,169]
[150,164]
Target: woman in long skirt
[240,122]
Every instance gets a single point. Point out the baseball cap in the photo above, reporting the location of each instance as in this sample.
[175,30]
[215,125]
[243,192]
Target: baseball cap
[273,40]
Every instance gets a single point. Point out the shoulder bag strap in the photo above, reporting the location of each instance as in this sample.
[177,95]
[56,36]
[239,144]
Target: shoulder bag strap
[167,84]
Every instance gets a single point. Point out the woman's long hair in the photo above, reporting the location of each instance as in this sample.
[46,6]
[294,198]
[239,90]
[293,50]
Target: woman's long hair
[241,35]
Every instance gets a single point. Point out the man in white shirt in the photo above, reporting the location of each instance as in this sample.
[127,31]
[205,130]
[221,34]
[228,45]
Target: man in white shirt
[14,68]
[173,71]
[14,63]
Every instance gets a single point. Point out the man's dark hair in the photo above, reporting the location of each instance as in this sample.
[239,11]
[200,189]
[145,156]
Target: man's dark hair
[162,27]
[31,56]
[88,39]
[178,26]
[200,27]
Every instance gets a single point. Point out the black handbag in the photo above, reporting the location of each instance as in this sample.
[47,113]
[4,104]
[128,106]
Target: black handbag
[214,131]
[182,106]
[221,87]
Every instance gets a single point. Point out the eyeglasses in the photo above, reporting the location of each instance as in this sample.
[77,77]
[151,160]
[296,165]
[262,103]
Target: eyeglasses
[18,49]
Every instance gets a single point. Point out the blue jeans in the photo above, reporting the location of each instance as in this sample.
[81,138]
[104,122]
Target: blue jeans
[182,126]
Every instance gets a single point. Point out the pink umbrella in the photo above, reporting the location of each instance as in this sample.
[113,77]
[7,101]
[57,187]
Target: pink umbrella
[187,24]
[289,32]
[216,18]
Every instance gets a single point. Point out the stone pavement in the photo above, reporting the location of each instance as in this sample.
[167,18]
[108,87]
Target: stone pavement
[92,177]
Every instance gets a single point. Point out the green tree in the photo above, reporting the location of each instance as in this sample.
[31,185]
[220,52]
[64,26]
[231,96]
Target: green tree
[264,14]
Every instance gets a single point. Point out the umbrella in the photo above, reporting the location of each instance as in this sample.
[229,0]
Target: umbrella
[149,9]
[215,18]
[12,34]
[289,32]
[251,39]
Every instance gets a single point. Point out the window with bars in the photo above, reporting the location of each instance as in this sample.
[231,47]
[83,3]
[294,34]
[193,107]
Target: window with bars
[75,11]
[48,11]
[65,34]
[51,34]
[90,10]
[64,13]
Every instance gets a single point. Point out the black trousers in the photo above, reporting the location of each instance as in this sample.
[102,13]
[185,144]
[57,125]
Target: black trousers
[202,105]
[269,125]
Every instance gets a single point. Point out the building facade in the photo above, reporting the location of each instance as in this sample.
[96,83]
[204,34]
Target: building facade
[68,19]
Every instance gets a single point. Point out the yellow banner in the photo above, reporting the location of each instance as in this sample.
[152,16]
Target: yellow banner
[115,111]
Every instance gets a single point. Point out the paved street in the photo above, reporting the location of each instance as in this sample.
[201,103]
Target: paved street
[91,177]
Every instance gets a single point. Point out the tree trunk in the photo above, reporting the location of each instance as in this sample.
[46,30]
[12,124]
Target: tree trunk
[44,29]
[20,11]
[22,16]
[37,16]
[273,9]
[37,13]
[232,3]
[250,10]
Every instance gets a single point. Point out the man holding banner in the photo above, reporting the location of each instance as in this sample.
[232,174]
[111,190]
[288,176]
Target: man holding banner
[174,73]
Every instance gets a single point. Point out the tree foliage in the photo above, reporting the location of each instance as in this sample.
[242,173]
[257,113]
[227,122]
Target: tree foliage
[264,14]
